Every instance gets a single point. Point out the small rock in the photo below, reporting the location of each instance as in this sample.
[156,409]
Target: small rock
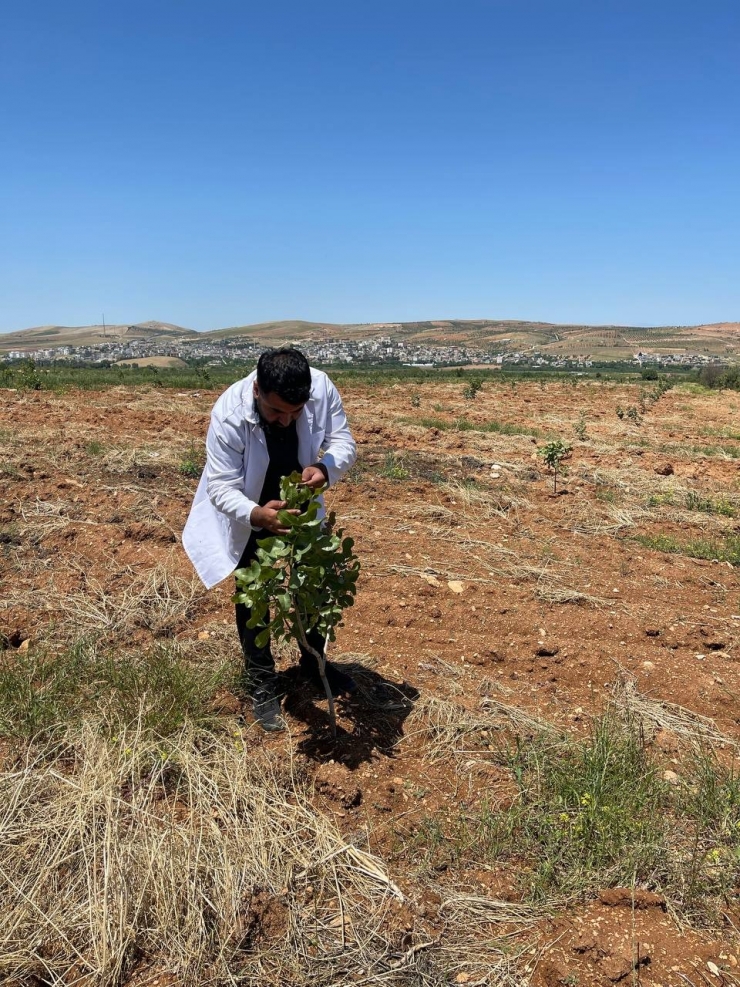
[648,666]
[203,635]
[432,580]
[455,585]
[713,968]
[652,632]
[25,645]
[671,777]
[547,651]
[664,470]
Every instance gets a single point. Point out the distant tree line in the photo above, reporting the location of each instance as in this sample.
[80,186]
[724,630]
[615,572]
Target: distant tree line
[720,377]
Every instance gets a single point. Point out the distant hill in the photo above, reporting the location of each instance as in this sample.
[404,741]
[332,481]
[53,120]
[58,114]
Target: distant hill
[721,340]
[603,343]
[50,337]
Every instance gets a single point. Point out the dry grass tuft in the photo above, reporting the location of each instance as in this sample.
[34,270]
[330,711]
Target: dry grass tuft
[210,862]
[564,594]
[450,728]
[158,600]
[669,716]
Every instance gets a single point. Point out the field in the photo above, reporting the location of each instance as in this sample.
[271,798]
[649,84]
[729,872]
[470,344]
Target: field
[537,782]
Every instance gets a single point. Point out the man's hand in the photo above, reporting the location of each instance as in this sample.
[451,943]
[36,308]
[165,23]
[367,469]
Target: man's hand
[313,477]
[266,517]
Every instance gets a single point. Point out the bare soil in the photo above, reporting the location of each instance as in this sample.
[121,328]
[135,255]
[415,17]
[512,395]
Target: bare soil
[479,582]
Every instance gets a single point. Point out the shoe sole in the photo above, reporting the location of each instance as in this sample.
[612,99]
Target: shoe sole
[272,727]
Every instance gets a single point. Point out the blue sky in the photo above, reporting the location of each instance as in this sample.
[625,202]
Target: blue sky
[221,163]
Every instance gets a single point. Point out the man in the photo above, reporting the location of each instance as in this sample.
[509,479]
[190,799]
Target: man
[280,418]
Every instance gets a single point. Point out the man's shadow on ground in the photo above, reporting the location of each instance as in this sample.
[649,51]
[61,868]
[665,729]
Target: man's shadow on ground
[376,712]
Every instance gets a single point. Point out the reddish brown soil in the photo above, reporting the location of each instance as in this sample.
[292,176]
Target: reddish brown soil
[666,622]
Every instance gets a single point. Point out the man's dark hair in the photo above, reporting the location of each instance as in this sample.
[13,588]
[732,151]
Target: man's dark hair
[284,372]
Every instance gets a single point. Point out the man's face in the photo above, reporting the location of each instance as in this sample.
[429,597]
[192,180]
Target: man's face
[274,410]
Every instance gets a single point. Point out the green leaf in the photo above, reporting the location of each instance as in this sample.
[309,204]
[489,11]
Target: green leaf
[262,638]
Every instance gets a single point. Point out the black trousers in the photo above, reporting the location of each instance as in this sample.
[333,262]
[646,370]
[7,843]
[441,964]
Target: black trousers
[259,664]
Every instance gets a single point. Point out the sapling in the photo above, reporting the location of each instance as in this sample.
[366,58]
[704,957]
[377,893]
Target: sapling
[471,389]
[307,576]
[553,454]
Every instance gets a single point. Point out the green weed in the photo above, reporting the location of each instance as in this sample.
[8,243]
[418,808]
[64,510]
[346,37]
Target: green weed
[723,550]
[192,462]
[393,468]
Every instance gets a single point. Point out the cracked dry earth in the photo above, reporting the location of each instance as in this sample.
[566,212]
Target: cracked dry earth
[483,593]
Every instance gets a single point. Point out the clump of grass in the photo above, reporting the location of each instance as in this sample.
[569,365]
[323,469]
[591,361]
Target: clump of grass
[595,813]
[463,424]
[666,499]
[710,797]
[42,692]
[709,505]
[94,448]
[723,550]
[721,433]
[506,428]
[589,812]
[159,601]
[440,423]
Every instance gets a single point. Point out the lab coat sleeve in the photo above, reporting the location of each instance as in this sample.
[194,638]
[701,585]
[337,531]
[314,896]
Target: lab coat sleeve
[339,447]
[225,468]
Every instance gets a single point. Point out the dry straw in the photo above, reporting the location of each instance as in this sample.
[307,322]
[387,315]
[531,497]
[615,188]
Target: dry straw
[189,852]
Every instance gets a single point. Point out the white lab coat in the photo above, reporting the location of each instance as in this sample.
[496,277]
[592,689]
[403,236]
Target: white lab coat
[218,528]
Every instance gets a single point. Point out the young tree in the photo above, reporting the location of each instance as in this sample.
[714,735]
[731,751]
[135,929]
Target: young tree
[553,454]
[305,578]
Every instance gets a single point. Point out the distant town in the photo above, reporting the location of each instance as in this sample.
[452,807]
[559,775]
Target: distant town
[375,351]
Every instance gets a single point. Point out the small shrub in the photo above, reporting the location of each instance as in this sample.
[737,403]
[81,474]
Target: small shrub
[580,427]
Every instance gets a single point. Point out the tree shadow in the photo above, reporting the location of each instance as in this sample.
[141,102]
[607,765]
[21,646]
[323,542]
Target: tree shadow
[369,721]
